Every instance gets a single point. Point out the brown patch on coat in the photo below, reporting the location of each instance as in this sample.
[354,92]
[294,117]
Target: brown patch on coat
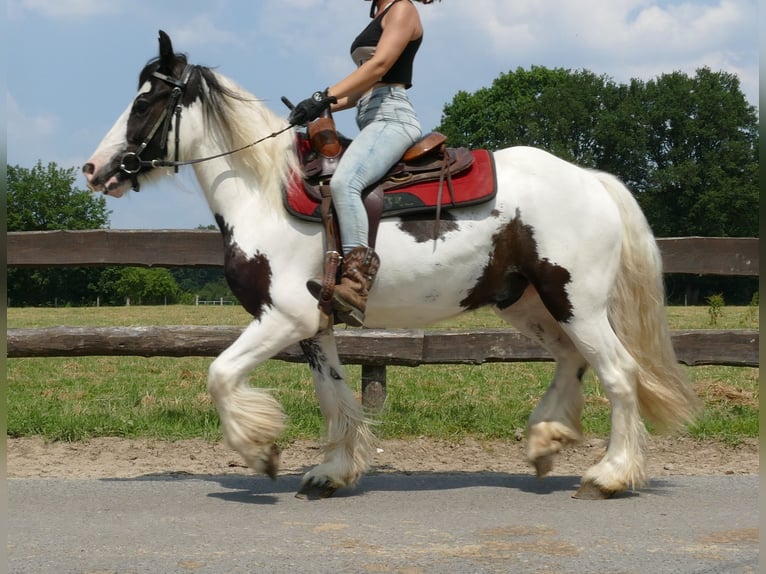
[422,230]
[249,278]
[514,264]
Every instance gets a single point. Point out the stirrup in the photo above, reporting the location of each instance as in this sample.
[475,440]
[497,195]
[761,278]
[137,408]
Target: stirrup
[344,313]
[314,285]
[348,314]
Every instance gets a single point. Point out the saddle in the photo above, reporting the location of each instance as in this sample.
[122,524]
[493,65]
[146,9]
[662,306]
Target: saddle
[415,184]
[427,172]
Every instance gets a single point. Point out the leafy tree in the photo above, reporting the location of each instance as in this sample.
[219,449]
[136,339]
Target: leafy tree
[703,148]
[687,146]
[216,290]
[139,285]
[553,109]
[207,283]
[45,199]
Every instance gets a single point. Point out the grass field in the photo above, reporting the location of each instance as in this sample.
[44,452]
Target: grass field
[77,398]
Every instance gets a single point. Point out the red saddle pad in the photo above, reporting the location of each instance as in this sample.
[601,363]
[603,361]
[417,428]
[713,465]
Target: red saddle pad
[475,185]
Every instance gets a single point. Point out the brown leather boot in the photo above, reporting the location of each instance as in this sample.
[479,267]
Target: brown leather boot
[360,266]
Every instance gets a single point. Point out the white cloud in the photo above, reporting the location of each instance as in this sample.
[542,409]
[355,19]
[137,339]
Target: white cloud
[33,137]
[622,25]
[201,31]
[24,129]
[620,38]
[686,28]
[302,3]
[65,8]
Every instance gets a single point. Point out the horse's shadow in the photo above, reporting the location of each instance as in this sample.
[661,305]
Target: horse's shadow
[257,489]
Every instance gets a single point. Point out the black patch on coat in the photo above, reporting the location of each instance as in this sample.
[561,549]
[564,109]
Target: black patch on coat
[514,264]
[314,355]
[249,278]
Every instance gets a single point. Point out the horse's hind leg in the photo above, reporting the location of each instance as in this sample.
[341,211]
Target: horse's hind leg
[556,421]
[623,465]
[348,436]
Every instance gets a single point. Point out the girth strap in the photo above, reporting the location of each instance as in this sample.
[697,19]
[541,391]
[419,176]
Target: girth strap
[332,255]
[445,174]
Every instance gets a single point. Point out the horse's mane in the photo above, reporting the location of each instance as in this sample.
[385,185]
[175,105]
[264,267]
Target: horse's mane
[237,118]
[243,119]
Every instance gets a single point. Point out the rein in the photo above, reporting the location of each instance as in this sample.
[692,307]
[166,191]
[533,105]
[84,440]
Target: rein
[132,163]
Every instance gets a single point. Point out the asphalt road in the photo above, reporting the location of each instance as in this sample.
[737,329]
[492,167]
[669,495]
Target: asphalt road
[392,523]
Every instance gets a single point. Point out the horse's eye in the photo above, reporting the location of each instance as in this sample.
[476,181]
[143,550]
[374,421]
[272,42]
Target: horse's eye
[140,106]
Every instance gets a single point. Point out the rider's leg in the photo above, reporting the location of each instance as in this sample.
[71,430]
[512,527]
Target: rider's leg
[388,127]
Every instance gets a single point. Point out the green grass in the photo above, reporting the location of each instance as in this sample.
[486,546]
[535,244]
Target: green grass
[678,317]
[165,398]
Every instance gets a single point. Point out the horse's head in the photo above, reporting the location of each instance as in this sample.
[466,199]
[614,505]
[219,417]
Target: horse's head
[139,138]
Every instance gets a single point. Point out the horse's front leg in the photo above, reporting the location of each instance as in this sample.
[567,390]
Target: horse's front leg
[349,440]
[251,418]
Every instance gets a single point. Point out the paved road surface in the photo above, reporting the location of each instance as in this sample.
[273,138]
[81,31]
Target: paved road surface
[393,523]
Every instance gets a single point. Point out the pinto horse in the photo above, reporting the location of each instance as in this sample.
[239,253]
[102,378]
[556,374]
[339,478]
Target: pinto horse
[562,253]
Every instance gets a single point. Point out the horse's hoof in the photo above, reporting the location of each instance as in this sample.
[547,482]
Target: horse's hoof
[543,465]
[271,465]
[311,490]
[590,491]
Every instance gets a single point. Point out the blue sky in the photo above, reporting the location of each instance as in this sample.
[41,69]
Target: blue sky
[73,64]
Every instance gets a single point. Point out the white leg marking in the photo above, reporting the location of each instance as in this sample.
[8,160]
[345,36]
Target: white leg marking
[349,440]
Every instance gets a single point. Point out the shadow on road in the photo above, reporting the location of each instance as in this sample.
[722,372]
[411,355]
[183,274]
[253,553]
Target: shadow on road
[255,489]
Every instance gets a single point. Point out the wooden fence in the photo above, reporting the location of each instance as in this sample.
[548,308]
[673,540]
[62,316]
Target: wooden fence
[171,248]
[373,349]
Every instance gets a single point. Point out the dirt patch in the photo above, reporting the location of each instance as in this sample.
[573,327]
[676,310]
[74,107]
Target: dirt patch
[123,458]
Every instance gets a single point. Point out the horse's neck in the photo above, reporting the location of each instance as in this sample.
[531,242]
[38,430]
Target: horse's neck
[232,189]
[233,193]
[246,185]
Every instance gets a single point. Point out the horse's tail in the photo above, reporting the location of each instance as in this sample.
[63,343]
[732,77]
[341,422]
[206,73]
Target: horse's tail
[637,314]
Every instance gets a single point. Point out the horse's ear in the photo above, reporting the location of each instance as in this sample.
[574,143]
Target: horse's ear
[167,56]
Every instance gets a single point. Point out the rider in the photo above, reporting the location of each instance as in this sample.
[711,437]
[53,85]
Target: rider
[384,53]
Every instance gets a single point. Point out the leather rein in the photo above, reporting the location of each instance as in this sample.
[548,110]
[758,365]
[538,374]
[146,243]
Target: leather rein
[131,163]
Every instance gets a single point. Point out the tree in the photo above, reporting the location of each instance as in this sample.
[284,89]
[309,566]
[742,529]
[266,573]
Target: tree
[687,146]
[208,284]
[139,285]
[557,110]
[45,199]
[703,148]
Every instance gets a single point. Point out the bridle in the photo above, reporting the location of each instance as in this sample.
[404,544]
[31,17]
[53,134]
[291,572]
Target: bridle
[131,163]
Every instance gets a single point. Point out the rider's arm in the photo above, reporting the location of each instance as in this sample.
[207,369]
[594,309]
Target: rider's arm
[400,26]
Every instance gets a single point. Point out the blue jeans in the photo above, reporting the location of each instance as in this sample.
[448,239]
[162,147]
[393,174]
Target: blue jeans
[388,127]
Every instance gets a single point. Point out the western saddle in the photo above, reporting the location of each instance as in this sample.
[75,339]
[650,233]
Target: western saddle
[322,147]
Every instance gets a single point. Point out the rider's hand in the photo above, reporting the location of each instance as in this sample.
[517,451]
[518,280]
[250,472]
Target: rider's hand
[311,108]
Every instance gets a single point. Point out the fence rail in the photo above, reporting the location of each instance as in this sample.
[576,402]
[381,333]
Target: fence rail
[171,248]
[358,346]
[373,349]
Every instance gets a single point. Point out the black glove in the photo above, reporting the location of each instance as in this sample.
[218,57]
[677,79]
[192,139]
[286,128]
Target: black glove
[311,108]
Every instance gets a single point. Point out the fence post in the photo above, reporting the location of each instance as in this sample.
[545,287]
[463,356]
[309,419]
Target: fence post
[373,386]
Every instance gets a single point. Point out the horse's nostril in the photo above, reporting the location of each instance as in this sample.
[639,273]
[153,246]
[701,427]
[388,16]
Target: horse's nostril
[88,169]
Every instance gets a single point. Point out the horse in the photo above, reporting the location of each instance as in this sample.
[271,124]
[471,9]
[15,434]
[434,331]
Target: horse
[562,253]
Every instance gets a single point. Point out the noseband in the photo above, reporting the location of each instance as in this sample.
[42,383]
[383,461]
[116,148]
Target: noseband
[131,163]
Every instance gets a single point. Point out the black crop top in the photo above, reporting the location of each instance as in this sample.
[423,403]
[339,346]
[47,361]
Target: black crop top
[363,48]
